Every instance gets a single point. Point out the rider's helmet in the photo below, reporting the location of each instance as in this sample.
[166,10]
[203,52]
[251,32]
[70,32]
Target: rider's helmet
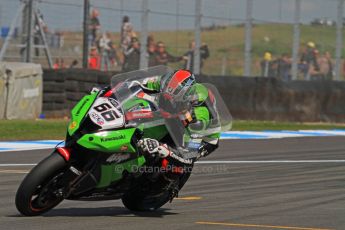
[178,83]
[182,87]
[181,92]
[174,87]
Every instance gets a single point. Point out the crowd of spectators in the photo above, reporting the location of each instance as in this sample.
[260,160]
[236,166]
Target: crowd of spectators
[60,64]
[104,54]
[312,65]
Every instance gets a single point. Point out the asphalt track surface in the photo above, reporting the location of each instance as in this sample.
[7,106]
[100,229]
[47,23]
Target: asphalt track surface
[250,192]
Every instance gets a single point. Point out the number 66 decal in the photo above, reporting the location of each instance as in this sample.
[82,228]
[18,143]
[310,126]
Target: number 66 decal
[105,114]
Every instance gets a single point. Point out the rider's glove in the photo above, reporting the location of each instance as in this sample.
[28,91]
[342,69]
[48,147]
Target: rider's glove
[153,147]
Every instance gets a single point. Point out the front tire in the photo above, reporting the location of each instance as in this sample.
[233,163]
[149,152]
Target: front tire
[38,191]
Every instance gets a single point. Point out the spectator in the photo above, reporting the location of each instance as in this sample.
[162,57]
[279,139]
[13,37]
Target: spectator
[326,66]
[62,63]
[57,40]
[283,67]
[163,57]
[95,25]
[73,64]
[315,73]
[323,64]
[189,56]
[104,45]
[267,65]
[330,72]
[151,51]
[150,40]
[309,58]
[94,58]
[113,57]
[56,64]
[127,33]
[59,64]
[132,56]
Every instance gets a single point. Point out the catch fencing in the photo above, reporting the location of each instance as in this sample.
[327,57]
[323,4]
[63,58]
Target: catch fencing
[249,38]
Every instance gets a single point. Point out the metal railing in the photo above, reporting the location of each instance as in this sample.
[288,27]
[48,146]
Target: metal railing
[290,39]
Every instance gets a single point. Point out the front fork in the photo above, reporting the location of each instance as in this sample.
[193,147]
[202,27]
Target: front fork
[72,176]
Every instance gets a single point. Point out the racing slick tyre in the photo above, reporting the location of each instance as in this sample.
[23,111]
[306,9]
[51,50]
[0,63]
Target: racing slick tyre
[38,193]
[140,199]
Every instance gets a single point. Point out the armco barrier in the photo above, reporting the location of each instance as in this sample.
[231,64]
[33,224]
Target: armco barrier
[70,86]
[255,98]
[260,98]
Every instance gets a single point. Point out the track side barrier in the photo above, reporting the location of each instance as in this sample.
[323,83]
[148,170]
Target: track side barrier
[254,98]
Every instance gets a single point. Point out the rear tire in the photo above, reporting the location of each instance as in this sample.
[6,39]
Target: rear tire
[36,194]
[138,199]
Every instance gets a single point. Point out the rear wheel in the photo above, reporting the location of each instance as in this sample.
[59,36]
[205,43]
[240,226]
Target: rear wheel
[149,196]
[41,189]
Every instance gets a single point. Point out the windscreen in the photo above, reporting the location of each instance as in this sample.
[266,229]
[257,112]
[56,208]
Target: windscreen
[199,114]
[139,106]
[140,74]
[195,114]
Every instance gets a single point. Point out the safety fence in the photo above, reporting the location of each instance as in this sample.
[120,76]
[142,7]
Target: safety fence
[287,39]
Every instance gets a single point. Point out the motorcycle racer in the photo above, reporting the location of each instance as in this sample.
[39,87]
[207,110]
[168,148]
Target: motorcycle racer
[202,115]
[135,140]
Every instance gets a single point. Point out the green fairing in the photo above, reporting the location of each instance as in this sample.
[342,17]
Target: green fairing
[109,141]
[79,111]
[113,172]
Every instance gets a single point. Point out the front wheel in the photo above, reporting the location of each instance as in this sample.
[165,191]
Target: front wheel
[41,189]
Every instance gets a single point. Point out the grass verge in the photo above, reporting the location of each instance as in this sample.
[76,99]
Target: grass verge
[56,129]
[272,125]
[32,129]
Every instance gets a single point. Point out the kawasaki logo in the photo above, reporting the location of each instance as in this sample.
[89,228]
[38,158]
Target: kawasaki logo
[105,139]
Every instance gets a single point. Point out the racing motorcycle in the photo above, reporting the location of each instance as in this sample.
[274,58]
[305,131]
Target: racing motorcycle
[100,159]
